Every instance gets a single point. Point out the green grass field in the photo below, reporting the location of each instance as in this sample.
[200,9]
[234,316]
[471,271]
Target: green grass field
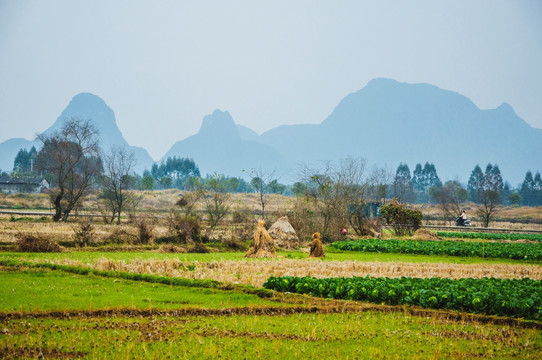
[54,313]
[331,255]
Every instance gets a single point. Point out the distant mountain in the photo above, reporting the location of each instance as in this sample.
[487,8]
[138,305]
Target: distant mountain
[219,147]
[388,122]
[84,106]
[247,134]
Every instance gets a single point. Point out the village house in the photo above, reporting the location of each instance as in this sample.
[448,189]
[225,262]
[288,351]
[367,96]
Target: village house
[14,185]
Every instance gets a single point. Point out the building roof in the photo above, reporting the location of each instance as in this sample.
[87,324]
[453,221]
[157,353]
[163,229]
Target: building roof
[5,180]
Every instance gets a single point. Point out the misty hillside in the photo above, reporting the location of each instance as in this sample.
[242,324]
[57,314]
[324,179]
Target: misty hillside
[388,122]
[219,147]
[84,106]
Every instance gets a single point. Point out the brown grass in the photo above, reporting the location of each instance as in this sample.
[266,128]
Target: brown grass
[36,243]
[424,234]
[256,272]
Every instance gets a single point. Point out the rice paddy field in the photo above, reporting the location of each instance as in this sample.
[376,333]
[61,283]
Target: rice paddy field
[138,303]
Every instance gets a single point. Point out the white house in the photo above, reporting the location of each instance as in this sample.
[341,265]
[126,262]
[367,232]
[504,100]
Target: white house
[14,185]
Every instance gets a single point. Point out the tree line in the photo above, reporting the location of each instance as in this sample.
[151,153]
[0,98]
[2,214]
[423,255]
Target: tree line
[73,163]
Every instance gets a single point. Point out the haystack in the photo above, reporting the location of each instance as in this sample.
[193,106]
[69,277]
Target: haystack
[262,245]
[284,234]
[424,234]
[317,249]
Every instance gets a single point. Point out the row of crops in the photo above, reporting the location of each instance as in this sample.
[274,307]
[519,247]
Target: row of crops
[505,297]
[489,236]
[519,251]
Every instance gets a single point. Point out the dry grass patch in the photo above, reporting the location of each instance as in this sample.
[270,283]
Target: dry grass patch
[36,243]
[256,272]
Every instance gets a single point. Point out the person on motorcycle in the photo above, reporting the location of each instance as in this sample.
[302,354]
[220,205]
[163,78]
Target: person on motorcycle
[462,219]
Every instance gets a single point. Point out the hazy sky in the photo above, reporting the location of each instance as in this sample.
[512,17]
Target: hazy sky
[165,64]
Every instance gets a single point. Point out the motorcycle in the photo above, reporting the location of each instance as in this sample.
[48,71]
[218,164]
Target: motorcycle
[462,222]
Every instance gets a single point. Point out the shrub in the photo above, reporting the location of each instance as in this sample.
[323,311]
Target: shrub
[186,228]
[403,220]
[36,243]
[144,229]
[170,248]
[234,244]
[121,236]
[241,216]
[84,233]
[199,248]
[304,219]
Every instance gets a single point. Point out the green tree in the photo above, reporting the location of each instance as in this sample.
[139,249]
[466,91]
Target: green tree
[514,198]
[275,187]
[24,161]
[403,220]
[176,168]
[475,185]
[402,185]
[147,181]
[299,189]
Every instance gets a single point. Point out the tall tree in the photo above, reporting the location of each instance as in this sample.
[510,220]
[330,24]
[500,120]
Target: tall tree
[177,169]
[537,189]
[402,184]
[490,196]
[430,176]
[475,185]
[70,158]
[493,179]
[24,161]
[527,189]
[418,180]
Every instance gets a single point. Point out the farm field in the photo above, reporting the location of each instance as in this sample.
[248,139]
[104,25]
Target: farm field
[57,313]
[123,299]
[50,307]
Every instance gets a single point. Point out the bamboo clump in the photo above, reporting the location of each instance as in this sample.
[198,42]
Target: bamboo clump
[263,245]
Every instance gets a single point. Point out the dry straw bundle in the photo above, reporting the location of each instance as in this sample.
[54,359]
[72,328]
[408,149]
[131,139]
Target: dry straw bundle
[284,234]
[317,250]
[262,245]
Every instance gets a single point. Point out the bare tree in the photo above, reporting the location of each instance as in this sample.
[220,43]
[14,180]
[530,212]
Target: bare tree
[260,181]
[449,197]
[70,158]
[216,198]
[118,165]
[489,199]
[337,190]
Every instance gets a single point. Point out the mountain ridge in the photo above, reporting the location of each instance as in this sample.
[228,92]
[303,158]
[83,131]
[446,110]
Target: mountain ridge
[386,122]
[83,106]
